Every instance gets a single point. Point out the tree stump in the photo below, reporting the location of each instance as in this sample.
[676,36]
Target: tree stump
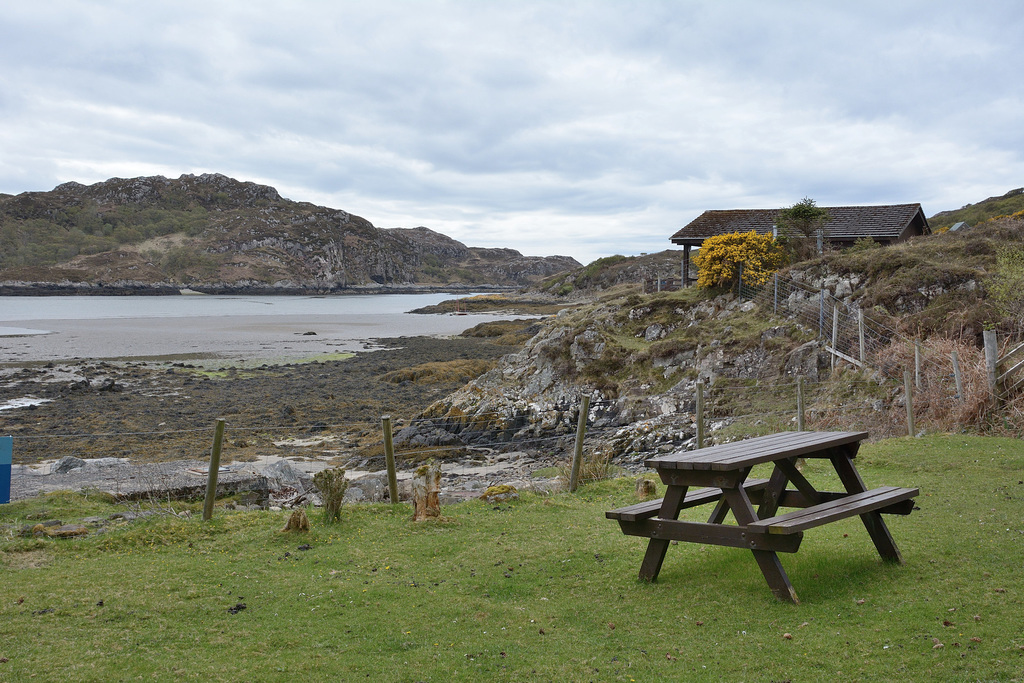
[426,489]
[645,488]
[297,522]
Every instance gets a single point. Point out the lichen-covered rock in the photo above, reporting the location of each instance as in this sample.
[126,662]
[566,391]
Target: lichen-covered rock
[66,531]
[500,494]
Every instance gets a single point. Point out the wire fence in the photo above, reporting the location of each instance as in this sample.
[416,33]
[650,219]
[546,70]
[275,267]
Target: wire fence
[858,338]
[879,381]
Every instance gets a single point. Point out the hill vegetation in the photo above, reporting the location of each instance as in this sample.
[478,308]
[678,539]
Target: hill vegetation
[213,233]
[994,207]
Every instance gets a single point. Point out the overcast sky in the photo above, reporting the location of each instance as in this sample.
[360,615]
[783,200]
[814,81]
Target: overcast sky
[579,128]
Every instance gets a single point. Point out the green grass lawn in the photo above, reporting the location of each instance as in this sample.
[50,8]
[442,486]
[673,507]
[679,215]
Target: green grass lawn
[539,589]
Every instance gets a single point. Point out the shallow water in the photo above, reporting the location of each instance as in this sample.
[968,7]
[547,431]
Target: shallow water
[23,308]
[221,326]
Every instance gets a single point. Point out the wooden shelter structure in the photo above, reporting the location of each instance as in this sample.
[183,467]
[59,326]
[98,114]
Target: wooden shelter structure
[885,224]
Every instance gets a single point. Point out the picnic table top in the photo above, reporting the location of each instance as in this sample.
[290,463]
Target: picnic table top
[749,452]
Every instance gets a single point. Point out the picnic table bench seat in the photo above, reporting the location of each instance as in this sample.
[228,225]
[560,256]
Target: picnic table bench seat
[694,498]
[887,499]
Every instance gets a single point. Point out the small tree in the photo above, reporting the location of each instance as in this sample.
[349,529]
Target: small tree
[720,257]
[804,225]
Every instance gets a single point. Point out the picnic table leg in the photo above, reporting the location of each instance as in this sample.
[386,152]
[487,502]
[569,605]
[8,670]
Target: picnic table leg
[722,507]
[767,560]
[656,547]
[873,522]
[773,493]
[720,511]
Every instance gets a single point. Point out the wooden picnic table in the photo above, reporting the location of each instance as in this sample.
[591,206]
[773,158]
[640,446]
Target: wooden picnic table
[721,472]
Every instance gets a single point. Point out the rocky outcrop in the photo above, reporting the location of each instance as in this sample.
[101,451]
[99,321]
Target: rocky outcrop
[642,395]
[215,234]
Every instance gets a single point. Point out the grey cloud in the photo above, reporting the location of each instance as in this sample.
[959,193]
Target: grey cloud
[597,127]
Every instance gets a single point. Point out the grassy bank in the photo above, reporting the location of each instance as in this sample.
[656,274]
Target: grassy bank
[543,588]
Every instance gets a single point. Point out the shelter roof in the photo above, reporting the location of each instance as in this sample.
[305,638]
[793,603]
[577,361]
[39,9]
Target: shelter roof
[886,223]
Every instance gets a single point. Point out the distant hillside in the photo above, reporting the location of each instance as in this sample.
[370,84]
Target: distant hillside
[214,233]
[607,272]
[994,207]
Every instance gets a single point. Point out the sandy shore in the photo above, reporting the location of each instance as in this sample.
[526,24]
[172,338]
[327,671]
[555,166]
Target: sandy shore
[250,337]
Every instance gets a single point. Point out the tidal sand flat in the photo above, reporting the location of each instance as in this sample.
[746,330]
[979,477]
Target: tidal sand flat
[230,337]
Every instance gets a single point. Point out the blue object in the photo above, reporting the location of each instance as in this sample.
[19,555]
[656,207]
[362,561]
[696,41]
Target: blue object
[6,460]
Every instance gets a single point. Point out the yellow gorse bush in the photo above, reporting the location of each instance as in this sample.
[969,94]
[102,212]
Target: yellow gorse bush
[719,259]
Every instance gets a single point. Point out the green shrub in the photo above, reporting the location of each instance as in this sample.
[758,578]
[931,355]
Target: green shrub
[332,484]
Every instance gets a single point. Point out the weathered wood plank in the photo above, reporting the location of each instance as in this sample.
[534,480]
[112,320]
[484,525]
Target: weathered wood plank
[840,508]
[665,530]
[694,498]
[757,450]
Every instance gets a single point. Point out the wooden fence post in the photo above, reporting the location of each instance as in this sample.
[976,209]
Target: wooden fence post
[577,455]
[800,403]
[917,365]
[700,414]
[860,338]
[211,478]
[835,334]
[389,458]
[957,376]
[908,393]
[776,308]
[821,313]
[992,362]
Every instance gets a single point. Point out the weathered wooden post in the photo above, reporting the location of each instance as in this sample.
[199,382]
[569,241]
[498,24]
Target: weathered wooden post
[577,455]
[908,393]
[211,478]
[835,335]
[776,307]
[917,365]
[426,491]
[6,465]
[700,414]
[800,403]
[821,313]
[389,458]
[860,338]
[992,362]
[957,377]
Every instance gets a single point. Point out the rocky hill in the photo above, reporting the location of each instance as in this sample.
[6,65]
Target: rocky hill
[214,234]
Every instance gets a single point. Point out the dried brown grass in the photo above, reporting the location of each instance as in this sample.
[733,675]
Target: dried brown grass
[462,370]
[937,406]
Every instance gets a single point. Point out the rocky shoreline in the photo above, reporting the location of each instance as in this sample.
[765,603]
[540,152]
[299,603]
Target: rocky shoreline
[273,482]
[138,428]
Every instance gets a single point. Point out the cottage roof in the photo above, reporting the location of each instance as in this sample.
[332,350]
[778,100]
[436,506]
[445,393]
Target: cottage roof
[885,224]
